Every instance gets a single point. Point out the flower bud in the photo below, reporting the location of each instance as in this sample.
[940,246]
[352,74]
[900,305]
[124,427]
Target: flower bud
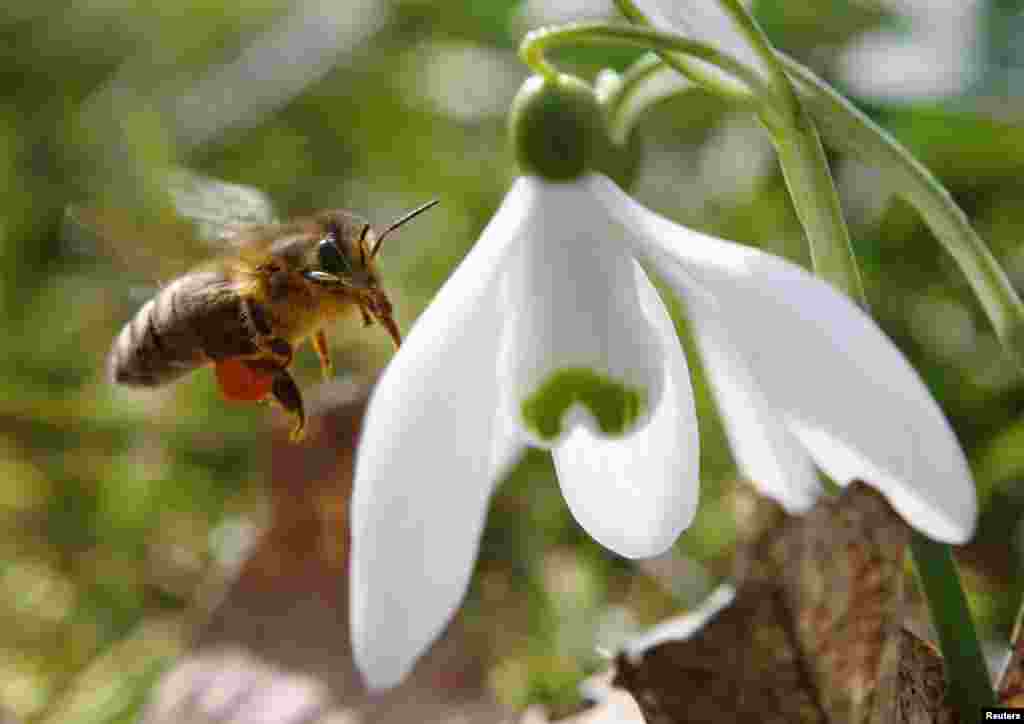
[557,127]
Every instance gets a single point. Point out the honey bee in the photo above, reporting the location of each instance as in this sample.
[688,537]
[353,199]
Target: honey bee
[246,312]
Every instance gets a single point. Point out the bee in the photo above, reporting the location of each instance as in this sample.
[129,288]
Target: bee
[246,312]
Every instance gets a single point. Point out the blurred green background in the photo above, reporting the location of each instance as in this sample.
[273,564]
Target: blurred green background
[115,505]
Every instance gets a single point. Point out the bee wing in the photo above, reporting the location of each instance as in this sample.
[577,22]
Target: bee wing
[200,214]
[156,244]
[220,210]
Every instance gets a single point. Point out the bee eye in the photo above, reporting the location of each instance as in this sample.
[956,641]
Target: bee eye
[331,258]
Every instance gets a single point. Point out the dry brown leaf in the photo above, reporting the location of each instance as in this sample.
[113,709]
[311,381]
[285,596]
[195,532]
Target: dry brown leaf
[813,634]
[741,666]
[921,684]
[842,572]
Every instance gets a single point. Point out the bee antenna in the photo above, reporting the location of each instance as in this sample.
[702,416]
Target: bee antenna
[407,217]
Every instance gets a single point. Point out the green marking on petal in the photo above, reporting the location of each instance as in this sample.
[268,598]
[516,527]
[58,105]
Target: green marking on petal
[615,406]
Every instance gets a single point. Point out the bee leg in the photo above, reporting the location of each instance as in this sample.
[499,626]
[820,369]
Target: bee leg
[286,393]
[322,351]
[255,319]
[367,319]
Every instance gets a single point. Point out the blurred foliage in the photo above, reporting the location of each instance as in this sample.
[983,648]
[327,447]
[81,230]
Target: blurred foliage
[115,503]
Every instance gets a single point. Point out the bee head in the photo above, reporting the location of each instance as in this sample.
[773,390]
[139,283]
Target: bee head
[346,252]
[344,259]
[341,257]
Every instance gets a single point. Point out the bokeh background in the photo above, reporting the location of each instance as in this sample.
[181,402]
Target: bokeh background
[120,510]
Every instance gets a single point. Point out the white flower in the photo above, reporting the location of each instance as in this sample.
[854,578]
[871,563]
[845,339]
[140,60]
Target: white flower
[802,376]
[935,53]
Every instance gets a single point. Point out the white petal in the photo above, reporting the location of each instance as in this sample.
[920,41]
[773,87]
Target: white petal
[571,300]
[765,450]
[426,464]
[637,493]
[706,21]
[843,388]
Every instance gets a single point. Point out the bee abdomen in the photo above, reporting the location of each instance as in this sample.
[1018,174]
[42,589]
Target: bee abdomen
[163,342]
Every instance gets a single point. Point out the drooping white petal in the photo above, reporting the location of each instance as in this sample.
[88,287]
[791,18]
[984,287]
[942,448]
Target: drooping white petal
[636,494]
[704,20]
[427,462]
[766,451]
[842,387]
[571,301]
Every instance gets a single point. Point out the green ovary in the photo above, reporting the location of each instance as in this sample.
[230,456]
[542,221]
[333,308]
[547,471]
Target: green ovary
[615,406]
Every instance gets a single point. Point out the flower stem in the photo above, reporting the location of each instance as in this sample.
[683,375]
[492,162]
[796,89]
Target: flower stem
[970,687]
[764,49]
[817,205]
[619,96]
[800,155]
[849,130]
[805,168]
[537,42]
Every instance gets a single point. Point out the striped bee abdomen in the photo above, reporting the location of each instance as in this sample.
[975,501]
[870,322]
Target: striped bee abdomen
[193,320]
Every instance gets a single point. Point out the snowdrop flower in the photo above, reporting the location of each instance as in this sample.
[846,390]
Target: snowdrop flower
[935,54]
[550,333]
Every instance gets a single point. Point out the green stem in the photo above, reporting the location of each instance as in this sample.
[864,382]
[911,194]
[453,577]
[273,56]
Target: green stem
[805,169]
[538,42]
[800,155]
[970,687]
[619,97]
[764,49]
[817,205]
[851,131]
[776,96]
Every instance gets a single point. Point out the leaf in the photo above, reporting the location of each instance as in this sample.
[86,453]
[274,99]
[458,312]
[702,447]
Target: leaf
[742,666]
[813,634]
[920,698]
[842,571]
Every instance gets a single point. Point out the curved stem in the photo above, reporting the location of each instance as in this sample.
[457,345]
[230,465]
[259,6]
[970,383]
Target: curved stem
[779,101]
[641,85]
[618,97]
[766,52]
[750,89]
[816,201]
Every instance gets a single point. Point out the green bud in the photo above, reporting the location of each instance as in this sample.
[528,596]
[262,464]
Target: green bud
[557,127]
